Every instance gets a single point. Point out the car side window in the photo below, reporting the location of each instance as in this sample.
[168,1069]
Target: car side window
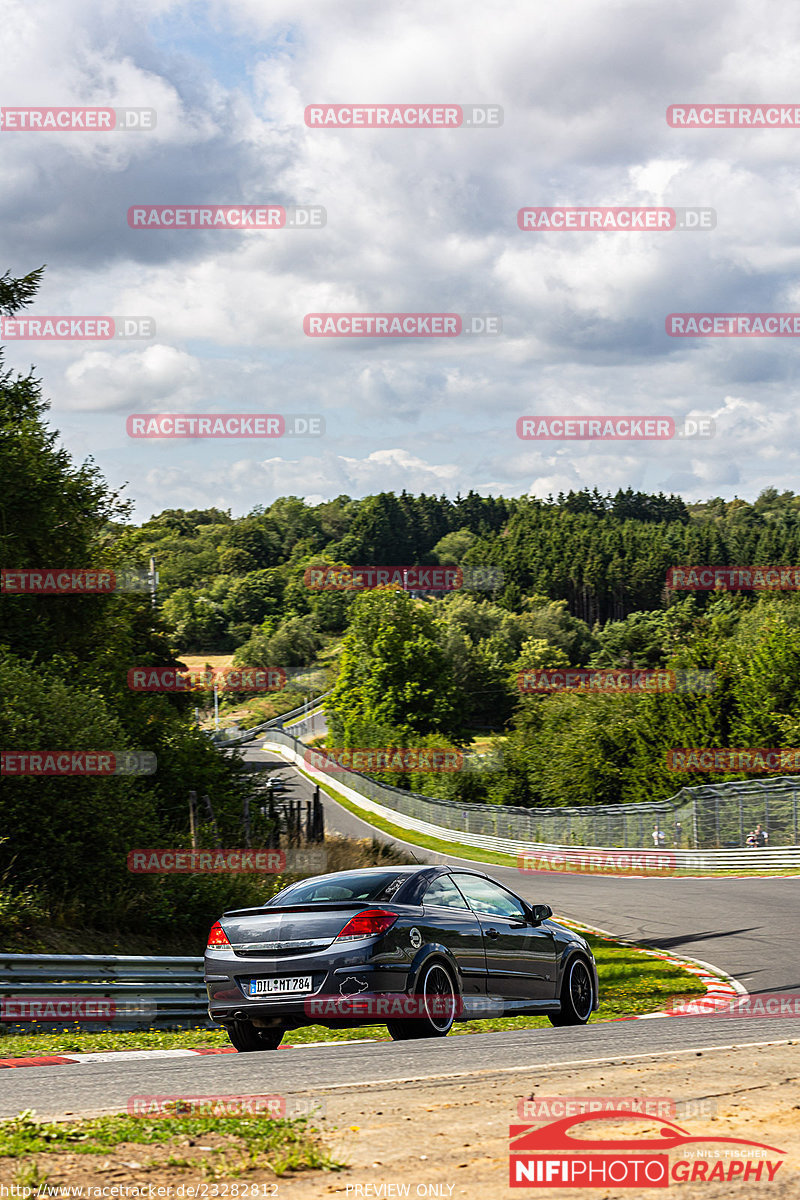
[486,896]
[444,893]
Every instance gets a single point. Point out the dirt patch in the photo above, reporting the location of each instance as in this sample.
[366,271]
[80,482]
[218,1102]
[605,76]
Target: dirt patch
[450,1138]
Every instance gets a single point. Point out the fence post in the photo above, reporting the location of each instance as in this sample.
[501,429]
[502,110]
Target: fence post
[741,821]
[694,823]
[213,819]
[193,818]
[794,815]
[716,819]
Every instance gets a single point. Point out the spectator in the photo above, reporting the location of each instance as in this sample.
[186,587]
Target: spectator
[761,836]
[678,833]
[659,838]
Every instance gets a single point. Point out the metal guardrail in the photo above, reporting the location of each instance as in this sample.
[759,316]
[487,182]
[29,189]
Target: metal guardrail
[143,991]
[702,819]
[249,735]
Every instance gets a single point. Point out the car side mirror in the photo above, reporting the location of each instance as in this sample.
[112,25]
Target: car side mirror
[539,913]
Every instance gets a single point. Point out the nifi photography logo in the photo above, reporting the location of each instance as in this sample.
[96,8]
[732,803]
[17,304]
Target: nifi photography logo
[553,1156]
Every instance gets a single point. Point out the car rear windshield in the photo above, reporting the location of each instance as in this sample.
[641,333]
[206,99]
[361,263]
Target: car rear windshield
[355,885]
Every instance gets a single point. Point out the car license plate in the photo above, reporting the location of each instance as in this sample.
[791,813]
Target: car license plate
[280,987]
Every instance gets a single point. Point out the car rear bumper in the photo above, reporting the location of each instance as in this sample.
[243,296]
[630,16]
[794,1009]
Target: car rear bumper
[336,987]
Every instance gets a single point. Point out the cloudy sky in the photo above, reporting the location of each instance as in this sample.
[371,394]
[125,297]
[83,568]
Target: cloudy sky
[418,220]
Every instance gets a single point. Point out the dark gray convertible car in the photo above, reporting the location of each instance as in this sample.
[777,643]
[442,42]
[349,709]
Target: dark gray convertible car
[414,948]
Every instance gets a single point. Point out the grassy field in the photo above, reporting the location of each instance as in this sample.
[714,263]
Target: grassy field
[631,982]
[237,1144]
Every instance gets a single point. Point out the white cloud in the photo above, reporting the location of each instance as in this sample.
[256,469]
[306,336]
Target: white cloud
[417,221]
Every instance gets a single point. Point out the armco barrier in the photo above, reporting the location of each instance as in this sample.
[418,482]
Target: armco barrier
[249,735]
[517,830]
[149,991]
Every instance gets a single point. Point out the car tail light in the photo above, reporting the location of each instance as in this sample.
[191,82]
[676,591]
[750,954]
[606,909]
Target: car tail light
[217,936]
[367,924]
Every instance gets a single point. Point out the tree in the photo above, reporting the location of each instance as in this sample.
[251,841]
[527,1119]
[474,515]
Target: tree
[393,672]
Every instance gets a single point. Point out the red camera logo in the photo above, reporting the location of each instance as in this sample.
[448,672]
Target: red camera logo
[553,1156]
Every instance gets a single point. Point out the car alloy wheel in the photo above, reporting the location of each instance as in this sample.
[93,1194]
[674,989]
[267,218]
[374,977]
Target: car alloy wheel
[577,995]
[437,995]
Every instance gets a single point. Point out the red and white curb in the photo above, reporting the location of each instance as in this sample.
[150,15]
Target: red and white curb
[721,989]
[102,1056]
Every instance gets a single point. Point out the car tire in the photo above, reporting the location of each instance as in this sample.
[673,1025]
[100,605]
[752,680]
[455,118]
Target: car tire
[435,983]
[246,1037]
[577,994]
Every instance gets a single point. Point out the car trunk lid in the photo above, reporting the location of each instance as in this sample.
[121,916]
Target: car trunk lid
[295,928]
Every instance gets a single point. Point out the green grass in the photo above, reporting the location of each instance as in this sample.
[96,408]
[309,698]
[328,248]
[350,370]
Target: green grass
[631,982]
[279,1144]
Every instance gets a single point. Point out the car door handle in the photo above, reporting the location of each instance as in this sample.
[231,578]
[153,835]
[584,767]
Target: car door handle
[493,933]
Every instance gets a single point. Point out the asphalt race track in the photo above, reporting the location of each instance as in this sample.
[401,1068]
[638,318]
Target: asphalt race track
[90,1088]
[746,927]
